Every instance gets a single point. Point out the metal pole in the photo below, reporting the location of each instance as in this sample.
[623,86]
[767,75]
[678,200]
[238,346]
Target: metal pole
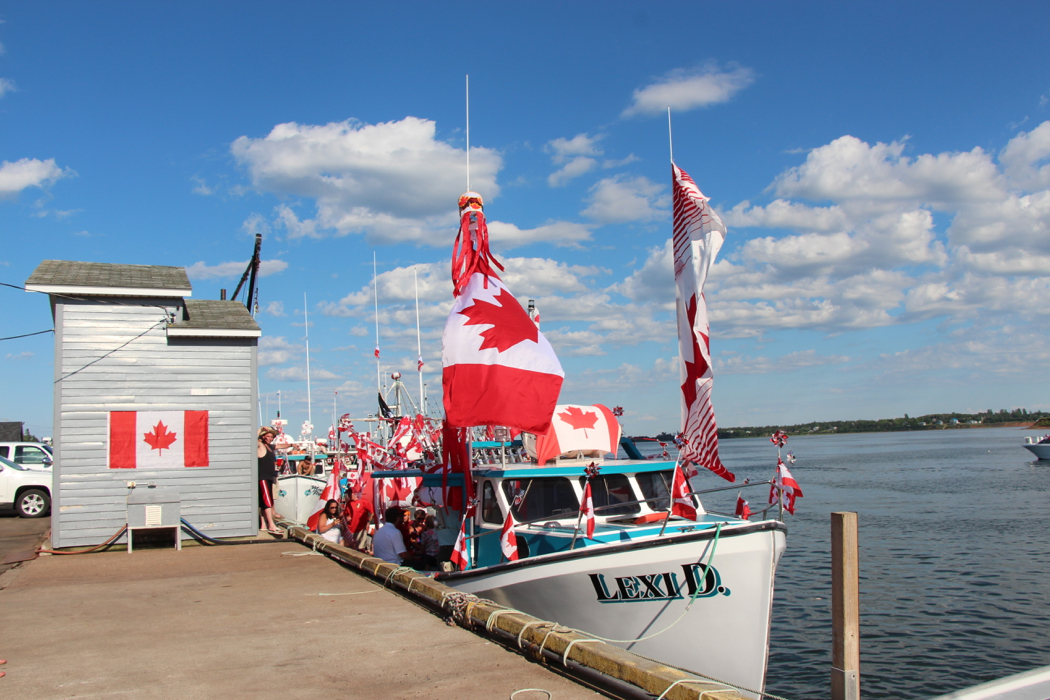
[306,320]
[845,607]
[419,342]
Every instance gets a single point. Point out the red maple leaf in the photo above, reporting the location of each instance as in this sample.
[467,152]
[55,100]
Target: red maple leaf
[698,367]
[579,420]
[160,439]
[510,324]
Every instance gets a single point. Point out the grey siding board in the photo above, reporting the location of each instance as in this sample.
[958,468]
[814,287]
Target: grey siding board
[117,357]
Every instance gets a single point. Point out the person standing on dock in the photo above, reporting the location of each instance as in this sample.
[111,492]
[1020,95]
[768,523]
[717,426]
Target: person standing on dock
[267,478]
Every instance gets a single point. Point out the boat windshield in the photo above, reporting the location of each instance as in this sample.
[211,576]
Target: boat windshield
[610,489]
[655,489]
[535,499]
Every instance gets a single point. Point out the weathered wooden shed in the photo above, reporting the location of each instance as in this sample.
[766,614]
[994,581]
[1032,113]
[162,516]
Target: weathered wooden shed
[129,346]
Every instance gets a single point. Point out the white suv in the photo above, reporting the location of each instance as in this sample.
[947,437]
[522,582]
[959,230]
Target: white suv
[35,455]
[28,490]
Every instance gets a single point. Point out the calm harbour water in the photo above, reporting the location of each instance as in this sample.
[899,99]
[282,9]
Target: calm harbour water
[954,551]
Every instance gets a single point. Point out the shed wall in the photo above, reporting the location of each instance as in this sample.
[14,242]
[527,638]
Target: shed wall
[117,357]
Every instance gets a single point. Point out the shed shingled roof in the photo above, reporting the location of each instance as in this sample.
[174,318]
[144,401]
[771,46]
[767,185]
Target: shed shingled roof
[67,273]
[215,314]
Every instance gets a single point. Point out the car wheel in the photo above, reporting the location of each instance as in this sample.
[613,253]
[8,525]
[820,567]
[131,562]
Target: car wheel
[33,503]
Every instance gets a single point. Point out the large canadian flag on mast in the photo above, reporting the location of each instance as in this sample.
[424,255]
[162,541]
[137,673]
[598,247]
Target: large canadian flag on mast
[698,236]
[498,369]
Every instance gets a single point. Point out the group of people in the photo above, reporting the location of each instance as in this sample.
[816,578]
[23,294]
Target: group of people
[408,542]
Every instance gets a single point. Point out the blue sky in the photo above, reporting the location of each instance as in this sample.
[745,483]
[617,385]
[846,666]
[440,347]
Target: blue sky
[882,168]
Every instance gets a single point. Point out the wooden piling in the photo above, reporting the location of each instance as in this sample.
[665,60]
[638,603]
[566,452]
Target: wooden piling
[845,608]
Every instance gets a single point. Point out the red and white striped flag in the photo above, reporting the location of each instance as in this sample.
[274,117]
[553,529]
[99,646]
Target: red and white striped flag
[784,488]
[158,439]
[587,510]
[419,364]
[681,501]
[377,352]
[508,541]
[743,510]
[698,235]
[459,553]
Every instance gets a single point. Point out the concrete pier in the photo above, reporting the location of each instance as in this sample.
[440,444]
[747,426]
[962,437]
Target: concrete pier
[239,622]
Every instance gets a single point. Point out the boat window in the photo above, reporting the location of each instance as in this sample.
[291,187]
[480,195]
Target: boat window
[490,511]
[608,490]
[536,499]
[655,487]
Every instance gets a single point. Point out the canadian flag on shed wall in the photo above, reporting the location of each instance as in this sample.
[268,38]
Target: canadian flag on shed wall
[158,439]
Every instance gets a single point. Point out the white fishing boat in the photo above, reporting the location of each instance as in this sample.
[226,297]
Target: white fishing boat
[297,496]
[1039,446]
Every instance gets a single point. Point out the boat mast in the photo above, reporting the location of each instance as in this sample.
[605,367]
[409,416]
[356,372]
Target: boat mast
[419,342]
[306,320]
[375,289]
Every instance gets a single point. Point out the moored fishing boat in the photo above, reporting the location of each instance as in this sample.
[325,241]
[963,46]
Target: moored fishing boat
[297,496]
[1040,447]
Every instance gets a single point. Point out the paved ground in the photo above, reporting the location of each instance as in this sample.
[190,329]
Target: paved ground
[19,534]
[243,621]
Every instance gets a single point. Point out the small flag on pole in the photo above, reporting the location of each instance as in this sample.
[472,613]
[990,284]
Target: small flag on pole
[743,510]
[508,541]
[459,553]
[681,501]
[377,352]
[587,510]
[419,364]
[784,488]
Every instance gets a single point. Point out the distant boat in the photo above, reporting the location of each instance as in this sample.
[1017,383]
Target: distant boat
[1040,447]
[297,496]
[1030,685]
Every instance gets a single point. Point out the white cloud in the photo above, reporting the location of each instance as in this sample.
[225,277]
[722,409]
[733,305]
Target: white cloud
[18,357]
[201,187]
[201,271]
[393,181]
[276,350]
[622,199]
[255,223]
[850,170]
[781,213]
[274,308]
[6,86]
[504,236]
[682,89]
[576,156]
[28,172]
[1021,156]
[740,364]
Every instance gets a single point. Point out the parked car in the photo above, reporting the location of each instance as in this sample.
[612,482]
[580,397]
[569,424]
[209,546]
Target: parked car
[27,490]
[35,455]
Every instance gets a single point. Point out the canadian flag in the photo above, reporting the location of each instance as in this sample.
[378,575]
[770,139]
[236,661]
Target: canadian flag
[743,510]
[681,501]
[498,367]
[158,439]
[508,541]
[459,553]
[578,428]
[784,488]
[587,510]
[330,492]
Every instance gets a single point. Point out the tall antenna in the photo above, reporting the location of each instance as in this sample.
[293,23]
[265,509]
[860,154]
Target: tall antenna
[419,342]
[468,133]
[375,288]
[306,319]
[670,144]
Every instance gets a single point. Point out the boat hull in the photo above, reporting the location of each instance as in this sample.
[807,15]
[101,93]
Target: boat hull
[640,591]
[1040,450]
[297,496]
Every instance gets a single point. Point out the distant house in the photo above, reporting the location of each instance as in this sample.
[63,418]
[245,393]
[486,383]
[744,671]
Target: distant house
[152,388]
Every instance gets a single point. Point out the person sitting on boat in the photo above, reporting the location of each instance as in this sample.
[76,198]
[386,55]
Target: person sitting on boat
[355,520]
[388,544]
[306,466]
[429,541]
[329,526]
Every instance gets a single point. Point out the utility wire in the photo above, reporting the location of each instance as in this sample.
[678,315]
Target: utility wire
[26,335]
